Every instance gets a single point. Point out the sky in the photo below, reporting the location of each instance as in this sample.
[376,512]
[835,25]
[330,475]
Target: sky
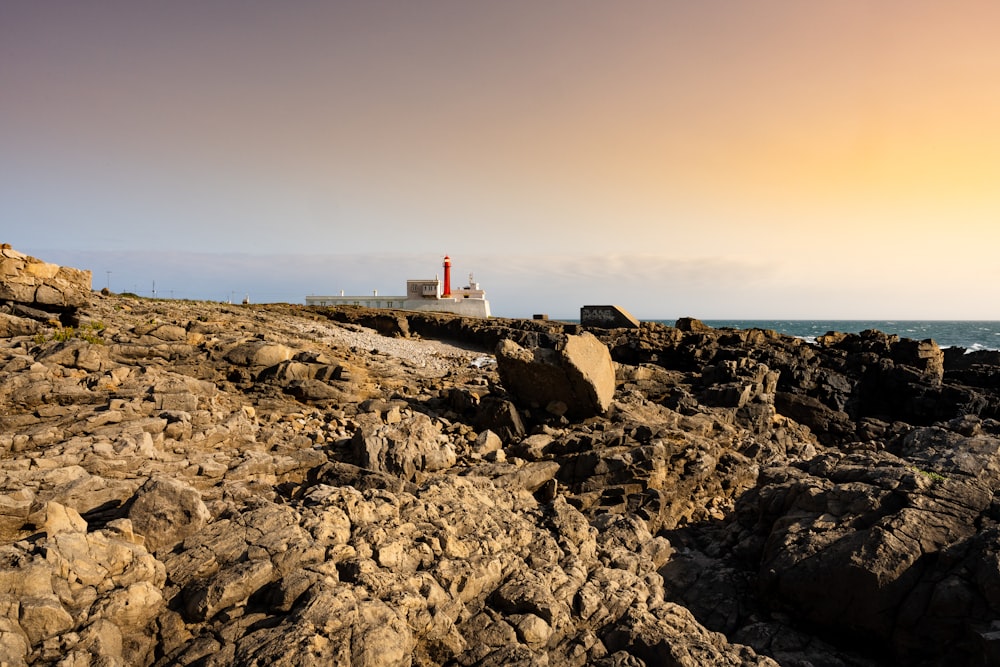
[720,160]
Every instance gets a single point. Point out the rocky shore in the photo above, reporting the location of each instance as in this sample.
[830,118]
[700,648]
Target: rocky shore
[190,483]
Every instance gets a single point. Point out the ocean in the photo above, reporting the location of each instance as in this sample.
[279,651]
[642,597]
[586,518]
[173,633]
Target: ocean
[969,334]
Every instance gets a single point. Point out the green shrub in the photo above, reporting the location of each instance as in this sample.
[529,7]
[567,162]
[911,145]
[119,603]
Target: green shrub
[90,333]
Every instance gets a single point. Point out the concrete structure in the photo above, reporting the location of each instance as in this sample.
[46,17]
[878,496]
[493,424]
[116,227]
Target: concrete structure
[607,317]
[429,295]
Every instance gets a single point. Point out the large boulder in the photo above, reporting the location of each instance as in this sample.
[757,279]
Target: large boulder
[166,511]
[31,281]
[575,378]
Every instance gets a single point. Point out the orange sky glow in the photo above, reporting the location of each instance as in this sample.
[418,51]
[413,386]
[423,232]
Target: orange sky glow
[812,159]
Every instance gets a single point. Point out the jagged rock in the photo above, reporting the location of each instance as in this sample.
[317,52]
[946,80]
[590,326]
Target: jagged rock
[43,617]
[11,325]
[228,588]
[403,448]
[487,442]
[14,642]
[166,511]
[578,374]
[849,539]
[670,635]
[71,578]
[59,518]
[14,510]
[691,324]
[479,533]
[28,280]
[501,417]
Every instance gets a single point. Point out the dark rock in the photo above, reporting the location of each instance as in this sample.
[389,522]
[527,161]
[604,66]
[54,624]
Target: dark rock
[691,324]
[501,417]
[851,541]
[607,317]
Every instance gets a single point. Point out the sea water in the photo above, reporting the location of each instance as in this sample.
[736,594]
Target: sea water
[969,334]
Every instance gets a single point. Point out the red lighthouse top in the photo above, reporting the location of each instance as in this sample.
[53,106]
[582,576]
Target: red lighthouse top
[447,276]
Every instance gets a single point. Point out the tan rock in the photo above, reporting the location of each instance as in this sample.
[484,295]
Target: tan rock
[32,281]
[259,353]
[132,607]
[43,617]
[487,442]
[59,518]
[11,325]
[578,374]
[14,510]
[166,511]
[14,643]
[103,639]
[229,587]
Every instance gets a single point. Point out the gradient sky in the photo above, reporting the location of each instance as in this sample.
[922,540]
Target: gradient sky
[724,159]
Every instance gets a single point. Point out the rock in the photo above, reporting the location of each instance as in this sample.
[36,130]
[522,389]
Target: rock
[231,586]
[191,493]
[486,442]
[577,373]
[833,425]
[102,638]
[31,281]
[691,324]
[850,539]
[14,642]
[14,510]
[500,417]
[59,518]
[42,617]
[11,326]
[131,607]
[404,448]
[670,635]
[312,391]
[166,511]
[259,353]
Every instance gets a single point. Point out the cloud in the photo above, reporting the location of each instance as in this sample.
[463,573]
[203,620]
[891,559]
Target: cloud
[650,286]
[517,285]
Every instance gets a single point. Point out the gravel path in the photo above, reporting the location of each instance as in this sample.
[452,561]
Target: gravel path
[426,354]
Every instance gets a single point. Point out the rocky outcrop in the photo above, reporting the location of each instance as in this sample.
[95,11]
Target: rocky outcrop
[211,515]
[864,544]
[187,483]
[32,288]
[78,594]
[575,378]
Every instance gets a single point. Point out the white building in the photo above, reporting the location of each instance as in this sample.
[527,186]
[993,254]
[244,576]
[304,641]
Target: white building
[429,295]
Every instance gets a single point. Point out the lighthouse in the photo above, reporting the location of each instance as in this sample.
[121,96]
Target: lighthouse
[421,294]
[447,276]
